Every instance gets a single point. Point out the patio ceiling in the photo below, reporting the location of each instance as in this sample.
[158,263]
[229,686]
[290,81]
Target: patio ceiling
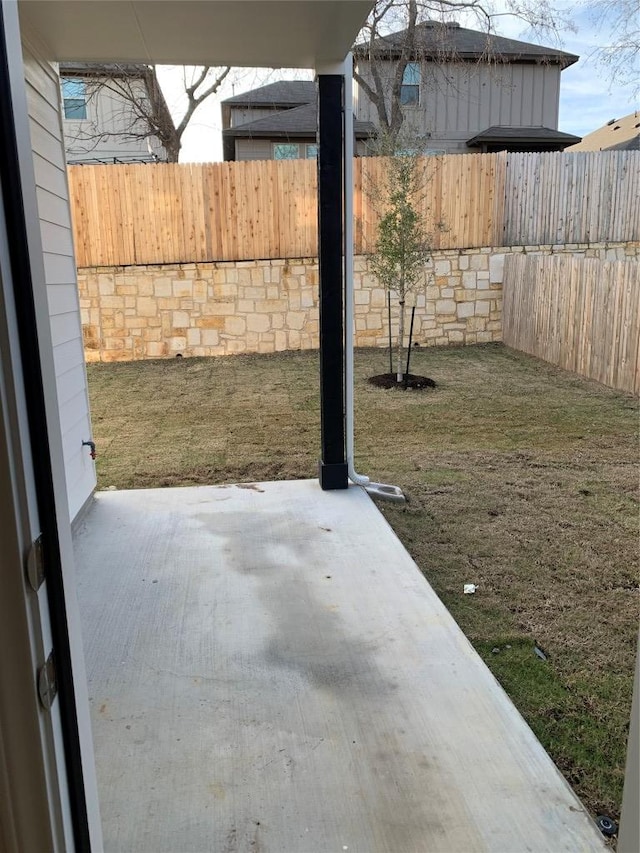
[271,33]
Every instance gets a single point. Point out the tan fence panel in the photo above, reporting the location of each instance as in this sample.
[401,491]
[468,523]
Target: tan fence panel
[572,197]
[579,313]
[170,213]
[462,202]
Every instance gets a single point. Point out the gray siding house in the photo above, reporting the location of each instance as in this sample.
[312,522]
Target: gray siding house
[277,122]
[465,90]
[100,122]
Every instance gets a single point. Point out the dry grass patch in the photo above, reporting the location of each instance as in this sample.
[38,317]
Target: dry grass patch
[521,478]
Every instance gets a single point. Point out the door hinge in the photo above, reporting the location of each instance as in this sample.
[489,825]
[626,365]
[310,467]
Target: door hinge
[48,682]
[35,564]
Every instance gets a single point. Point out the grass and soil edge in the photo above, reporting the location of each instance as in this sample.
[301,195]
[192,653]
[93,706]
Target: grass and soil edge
[521,478]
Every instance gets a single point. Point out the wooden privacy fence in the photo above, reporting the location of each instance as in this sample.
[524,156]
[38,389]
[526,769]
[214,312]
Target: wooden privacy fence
[579,313]
[577,197]
[170,213]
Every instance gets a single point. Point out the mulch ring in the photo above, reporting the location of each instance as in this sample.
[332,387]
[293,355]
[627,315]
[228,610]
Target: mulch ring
[410,382]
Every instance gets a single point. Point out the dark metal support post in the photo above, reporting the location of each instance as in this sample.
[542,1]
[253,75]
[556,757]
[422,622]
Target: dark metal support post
[333,464]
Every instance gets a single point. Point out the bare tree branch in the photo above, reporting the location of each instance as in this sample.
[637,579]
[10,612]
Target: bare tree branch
[620,56]
[138,108]
[383,80]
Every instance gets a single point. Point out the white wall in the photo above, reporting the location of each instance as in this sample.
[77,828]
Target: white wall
[34,816]
[60,274]
[111,113]
[458,100]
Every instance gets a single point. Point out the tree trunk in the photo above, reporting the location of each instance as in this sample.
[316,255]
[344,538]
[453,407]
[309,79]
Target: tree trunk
[399,372]
[173,151]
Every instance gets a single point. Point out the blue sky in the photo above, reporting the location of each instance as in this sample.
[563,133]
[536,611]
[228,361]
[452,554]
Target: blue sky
[587,99]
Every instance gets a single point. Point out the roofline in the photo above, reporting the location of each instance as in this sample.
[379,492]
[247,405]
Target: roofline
[232,102]
[239,133]
[482,139]
[245,99]
[104,69]
[560,58]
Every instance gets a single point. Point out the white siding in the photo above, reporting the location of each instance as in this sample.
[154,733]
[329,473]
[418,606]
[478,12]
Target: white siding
[253,149]
[459,100]
[60,275]
[262,149]
[242,115]
[108,112]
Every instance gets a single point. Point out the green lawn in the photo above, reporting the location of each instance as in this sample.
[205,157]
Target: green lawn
[520,478]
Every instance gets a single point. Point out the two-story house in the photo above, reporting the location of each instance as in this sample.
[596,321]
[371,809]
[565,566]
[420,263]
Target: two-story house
[462,90]
[102,107]
[277,122]
[465,90]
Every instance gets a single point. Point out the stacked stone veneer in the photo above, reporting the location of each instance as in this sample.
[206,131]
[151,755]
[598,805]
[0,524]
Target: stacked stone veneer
[268,306]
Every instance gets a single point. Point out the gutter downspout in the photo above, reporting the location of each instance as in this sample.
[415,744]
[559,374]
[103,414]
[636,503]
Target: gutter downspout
[378,490]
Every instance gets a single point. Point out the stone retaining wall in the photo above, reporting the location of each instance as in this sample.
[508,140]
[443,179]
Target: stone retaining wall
[267,306]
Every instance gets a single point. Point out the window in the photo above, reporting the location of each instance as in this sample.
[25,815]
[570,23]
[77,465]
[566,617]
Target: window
[74,98]
[311,152]
[286,151]
[410,88]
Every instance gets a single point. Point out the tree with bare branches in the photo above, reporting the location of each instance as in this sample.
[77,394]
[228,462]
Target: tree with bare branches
[139,110]
[412,30]
[620,56]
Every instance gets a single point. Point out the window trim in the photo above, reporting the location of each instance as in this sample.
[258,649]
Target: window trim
[80,98]
[275,145]
[416,72]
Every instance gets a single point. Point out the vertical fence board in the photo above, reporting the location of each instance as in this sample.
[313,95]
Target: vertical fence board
[168,213]
[578,313]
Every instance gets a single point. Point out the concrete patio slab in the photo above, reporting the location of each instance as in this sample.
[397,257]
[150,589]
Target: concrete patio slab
[269,671]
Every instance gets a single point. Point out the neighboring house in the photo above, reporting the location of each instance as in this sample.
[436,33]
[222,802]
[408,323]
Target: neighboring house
[467,90]
[277,122]
[619,134]
[101,124]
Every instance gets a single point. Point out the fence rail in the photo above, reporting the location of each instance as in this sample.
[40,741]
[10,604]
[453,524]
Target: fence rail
[579,313]
[170,213]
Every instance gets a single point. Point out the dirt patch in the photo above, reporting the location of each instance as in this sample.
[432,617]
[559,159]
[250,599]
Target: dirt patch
[411,382]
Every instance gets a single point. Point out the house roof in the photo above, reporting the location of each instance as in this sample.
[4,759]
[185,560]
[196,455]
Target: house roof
[505,133]
[297,122]
[440,41]
[103,69]
[622,134]
[284,93]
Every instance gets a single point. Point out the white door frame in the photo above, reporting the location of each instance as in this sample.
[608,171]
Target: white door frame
[48,791]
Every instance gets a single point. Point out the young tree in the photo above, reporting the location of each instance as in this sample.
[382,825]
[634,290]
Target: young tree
[141,110]
[403,245]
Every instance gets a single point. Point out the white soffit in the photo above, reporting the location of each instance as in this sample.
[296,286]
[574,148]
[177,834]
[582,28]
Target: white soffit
[270,33]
